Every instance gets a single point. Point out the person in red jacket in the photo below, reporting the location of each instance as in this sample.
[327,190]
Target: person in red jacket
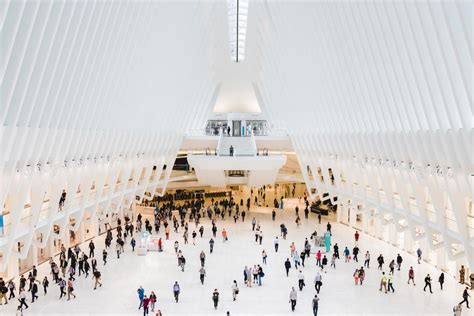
[146,303]
[356,236]
[152,300]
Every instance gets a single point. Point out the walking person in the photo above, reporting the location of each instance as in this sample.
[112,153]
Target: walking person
[152,298]
[45,284]
[287,266]
[97,276]
[301,280]
[465,297]
[211,245]
[293,297]
[176,291]
[62,286]
[70,289]
[318,282]
[235,290]
[315,305]
[419,253]
[202,274]
[276,242]
[390,282]
[146,303]
[34,292]
[264,257]
[367,259]
[411,276]
[104,256]
[141,296]
[383,282]
[22,299]
[215,298]
[427,283]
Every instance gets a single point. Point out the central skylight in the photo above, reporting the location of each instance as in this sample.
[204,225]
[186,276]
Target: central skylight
[237,11]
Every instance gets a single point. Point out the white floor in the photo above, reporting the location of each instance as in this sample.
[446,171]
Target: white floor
[158,271]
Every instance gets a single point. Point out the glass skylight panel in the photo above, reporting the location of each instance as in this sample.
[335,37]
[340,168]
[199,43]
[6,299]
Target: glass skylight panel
[237,11]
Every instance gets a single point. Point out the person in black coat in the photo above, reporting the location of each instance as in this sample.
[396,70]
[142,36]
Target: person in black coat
[287,266]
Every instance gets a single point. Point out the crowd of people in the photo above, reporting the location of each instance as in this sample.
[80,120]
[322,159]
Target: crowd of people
[177,221]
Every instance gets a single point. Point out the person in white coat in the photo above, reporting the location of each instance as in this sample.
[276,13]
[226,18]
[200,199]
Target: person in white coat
[293,296]
[301,280]
[318,282]
[235,290]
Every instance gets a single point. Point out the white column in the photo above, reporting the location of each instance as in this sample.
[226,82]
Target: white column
[352,216]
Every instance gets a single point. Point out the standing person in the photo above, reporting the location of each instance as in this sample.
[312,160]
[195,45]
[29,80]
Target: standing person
[315,305]
[91,249]
[97,276]
[419,253]
[319,218]
[465,297]
[202,257]
[276,242]
[293,296]
[328,227]
[176,291]
[399,262]
[22,298]
[367,259]
[427,283]
[202,274]
[318,282]
[380,261]
[235,290]
[301,280]
[264,257]
[356,236]
[211,245]
[462,273]
[441,280]
[45,284]
[287,266]
[70,289]
[411,276]
[215,298]
[390,282]
[141,295]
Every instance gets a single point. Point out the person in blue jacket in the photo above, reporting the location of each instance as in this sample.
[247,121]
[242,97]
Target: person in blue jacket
[141,295]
